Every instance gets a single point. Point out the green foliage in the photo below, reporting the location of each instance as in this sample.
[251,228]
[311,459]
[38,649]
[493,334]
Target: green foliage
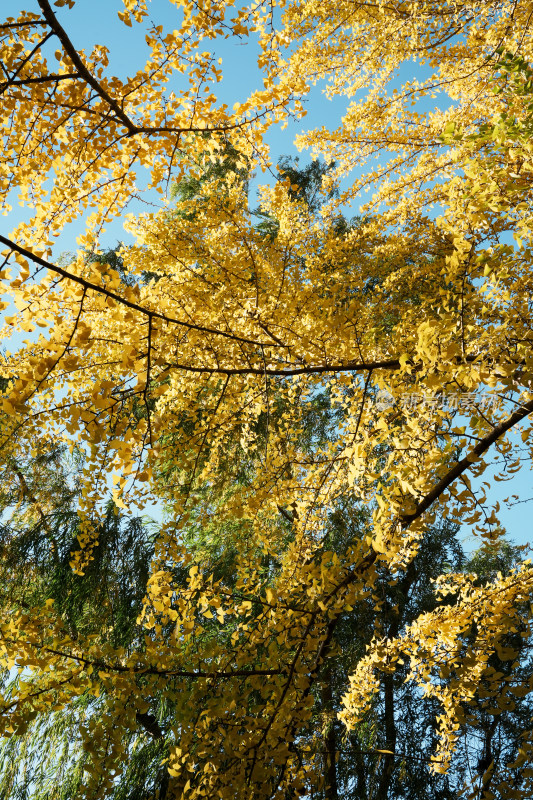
[40,538]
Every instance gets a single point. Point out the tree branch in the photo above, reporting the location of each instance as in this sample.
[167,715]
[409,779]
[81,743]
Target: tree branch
[72,53]
[466,462]
[118,298]
[41,79]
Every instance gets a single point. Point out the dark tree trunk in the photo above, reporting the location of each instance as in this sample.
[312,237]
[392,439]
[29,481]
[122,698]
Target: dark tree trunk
[390,738]
[329,740]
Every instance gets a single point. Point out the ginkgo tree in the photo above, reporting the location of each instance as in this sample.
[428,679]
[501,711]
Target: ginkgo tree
[190,374]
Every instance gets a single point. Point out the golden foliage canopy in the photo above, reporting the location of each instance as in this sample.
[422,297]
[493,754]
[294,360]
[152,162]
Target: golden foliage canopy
[188,376]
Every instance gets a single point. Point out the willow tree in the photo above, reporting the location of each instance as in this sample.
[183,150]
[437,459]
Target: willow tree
[194,386]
